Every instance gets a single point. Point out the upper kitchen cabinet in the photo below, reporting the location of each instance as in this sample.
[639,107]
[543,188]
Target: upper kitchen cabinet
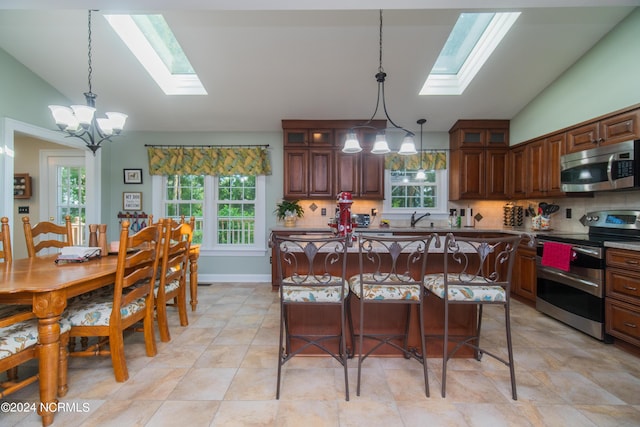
[479,159]
[608,130]
[361,174]
[479,134]
[315,166]
[296,138]
[535,167]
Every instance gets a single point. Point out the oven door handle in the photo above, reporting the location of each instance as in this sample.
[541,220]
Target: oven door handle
[569,280]
[585,251]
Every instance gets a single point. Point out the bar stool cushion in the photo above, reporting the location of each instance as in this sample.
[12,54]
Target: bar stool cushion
[312,289]
[98,312]
[386,289]
[435,284]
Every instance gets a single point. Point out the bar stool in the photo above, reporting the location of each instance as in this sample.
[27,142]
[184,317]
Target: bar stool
[476,271]
[392,270]
[311,274]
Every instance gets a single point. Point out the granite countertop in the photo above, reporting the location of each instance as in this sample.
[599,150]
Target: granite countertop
[631,246]
[439,230]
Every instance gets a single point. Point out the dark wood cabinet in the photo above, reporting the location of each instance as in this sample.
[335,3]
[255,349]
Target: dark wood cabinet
[479,159]
[622,302]
[327,171]
[517,167]
[535,165]
[535,168]
[524,279]
[554,150]
[610,130]
[296,167]
[321,173]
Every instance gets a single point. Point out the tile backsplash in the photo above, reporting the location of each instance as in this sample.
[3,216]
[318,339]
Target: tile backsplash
[492,211]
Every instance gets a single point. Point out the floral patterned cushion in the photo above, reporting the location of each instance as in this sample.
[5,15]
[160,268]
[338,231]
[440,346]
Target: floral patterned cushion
[435,284]
[17,337]
[22,335]
[98,311]
[312,290]
[169,287]
[389,288]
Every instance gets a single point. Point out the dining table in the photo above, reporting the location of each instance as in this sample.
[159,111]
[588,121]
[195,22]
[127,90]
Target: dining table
[47,287]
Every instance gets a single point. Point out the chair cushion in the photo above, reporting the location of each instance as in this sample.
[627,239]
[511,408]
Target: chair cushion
[98,311]
[478,293]
[312,290]
[389,288]
[17,337]
[169,287]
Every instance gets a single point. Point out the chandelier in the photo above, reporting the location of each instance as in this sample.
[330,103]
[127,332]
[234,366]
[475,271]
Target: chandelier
[79,121]
[380,146]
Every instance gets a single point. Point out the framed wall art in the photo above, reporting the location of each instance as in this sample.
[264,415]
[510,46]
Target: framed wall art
[132,201]
[132,176]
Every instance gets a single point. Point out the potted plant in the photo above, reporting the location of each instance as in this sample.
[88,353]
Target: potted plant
[289,210]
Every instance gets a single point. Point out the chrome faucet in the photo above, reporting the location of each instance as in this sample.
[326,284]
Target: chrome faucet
[415,220]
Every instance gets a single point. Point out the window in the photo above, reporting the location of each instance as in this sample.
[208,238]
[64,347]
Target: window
[229,210]
[473,39]
[405,193]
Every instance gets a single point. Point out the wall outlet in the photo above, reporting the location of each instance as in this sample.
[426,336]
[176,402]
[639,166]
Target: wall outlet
[23,209]
[568,213]
[323,211]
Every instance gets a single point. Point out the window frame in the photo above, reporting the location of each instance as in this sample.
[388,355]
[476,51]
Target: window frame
[209,247]
[442,185]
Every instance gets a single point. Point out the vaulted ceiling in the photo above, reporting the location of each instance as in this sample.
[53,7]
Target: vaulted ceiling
[302,60]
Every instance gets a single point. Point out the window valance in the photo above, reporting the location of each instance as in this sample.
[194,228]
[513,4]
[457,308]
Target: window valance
[432,160]
[209,160]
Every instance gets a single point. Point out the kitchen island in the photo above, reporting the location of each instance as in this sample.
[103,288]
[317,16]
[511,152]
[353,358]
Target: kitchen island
[387,317]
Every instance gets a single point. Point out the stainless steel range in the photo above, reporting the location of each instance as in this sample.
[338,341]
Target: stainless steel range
[573,291]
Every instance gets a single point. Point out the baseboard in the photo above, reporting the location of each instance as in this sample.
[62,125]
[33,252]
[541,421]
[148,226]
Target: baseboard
[233,278]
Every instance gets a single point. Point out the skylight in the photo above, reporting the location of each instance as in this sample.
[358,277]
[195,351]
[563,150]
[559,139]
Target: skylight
[152,42]
[472,40]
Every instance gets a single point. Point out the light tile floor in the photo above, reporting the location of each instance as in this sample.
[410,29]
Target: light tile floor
[221,371]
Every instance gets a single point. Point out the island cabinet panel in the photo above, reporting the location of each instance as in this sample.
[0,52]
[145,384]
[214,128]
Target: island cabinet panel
[385,318]
[622,302]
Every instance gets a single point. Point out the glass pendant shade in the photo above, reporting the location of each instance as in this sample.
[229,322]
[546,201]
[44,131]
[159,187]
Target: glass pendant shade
[351,145]
[420,175]
[84,114]
[408,146]
[117,121]
[380,146]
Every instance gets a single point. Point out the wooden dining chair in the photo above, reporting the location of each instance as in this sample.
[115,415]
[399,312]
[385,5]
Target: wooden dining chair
[477,271]
[107,315]
[5,239]
[19,344]
[171,289]
[391,272]
[311,279]
[46,234]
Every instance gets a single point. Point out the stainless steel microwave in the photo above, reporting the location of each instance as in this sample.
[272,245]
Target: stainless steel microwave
[611,167]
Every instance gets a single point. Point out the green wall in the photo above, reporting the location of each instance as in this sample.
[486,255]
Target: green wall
[605,79]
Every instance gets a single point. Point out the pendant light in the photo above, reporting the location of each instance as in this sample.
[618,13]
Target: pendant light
[79,121]
[381,146]
[421,175]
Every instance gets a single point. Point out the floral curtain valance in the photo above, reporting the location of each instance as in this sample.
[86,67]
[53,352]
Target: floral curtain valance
[430,161]
[217,161]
